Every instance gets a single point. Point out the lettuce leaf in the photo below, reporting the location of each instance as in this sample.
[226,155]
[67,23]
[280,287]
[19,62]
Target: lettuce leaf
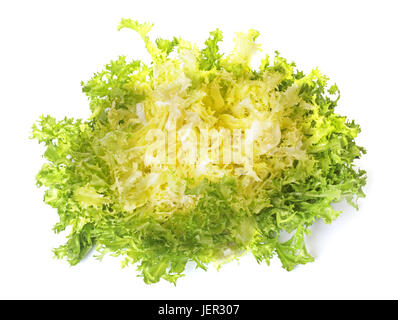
[112,184]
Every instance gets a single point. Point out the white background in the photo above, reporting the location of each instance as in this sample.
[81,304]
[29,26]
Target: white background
[48,47]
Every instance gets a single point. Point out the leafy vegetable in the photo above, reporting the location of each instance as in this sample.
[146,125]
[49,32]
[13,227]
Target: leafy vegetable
[133,181]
